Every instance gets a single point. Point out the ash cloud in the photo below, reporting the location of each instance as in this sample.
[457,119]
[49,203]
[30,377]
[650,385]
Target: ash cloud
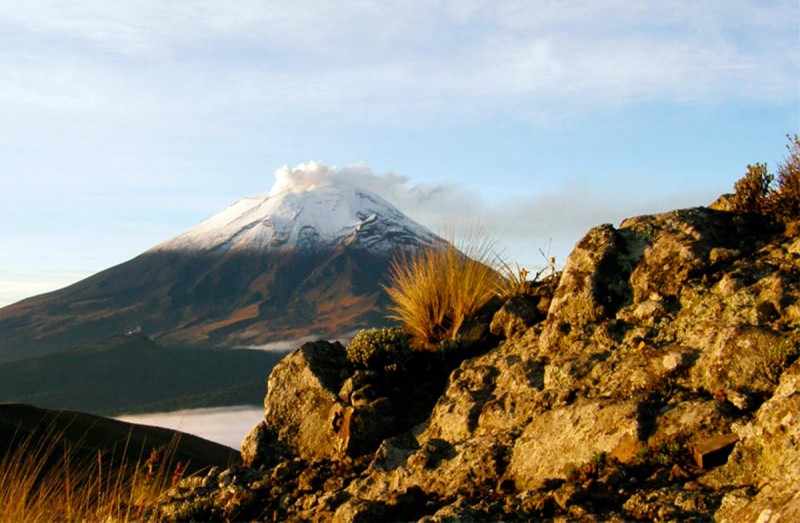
[549,220]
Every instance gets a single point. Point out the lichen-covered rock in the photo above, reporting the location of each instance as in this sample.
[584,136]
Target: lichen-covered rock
[565,437]
[737,358]
[691,420]
[679,245]
[592,287]
[767,459]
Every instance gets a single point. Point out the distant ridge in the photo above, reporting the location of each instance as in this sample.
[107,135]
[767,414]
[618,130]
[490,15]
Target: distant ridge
[89,436]
[126,374]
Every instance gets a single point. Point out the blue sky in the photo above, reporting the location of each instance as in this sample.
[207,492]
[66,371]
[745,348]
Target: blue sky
[124,123]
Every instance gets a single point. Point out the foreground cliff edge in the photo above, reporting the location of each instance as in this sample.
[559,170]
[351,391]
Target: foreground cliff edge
[662,383]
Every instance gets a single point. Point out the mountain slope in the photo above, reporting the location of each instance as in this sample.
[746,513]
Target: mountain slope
[301,261]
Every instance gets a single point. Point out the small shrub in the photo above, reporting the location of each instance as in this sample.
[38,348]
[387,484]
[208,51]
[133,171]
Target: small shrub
[599,458]
[757,192]
[752,192]
[434,289]
[787,197]
[378,348]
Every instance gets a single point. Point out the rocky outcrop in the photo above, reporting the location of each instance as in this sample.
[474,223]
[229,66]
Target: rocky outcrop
[657,387]
[319,406]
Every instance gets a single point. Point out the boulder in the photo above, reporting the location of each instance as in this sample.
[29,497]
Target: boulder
[678,246]
[656,386]
[302,407]
[593,286]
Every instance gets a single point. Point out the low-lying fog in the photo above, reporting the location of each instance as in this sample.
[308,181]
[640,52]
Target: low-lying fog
[226,425]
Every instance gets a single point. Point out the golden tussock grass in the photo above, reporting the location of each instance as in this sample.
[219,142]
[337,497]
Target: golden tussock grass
[43,480]
[435,288]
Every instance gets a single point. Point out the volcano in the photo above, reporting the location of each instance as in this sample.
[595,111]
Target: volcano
[304,260]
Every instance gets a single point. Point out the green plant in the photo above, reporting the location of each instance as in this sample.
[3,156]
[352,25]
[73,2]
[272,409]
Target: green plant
[599,458]
[434,289]
[378,348]
[779,357]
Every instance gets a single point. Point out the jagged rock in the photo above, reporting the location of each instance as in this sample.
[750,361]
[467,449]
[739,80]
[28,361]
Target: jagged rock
[736,358]
[459,511]
[670,504]
[712,452]
[364,427]
[691,420]
[677,246]
[476,331]
[592,287]
[394,452]
[315,410]
[256,445]
[516,315]
[408,505]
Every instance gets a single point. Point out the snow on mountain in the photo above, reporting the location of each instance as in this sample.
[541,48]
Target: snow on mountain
[310,208]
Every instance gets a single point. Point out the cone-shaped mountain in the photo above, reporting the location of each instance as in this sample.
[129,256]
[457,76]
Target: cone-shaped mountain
[300,261]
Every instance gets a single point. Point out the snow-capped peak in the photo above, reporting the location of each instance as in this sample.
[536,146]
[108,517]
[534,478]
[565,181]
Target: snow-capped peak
[307,208]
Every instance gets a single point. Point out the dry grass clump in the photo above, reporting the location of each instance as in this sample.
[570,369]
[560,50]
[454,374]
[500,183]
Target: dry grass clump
[41,480]
[757,192]
[515,280]
[434,289]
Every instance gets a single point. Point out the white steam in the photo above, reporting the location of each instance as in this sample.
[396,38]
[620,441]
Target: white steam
[424,203]
[304,177]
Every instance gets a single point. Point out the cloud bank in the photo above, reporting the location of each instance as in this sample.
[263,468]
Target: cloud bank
[225,425]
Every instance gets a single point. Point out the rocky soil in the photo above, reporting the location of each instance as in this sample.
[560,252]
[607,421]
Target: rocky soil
[658,380]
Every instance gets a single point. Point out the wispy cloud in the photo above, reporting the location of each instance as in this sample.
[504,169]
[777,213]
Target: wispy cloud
[450,58]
